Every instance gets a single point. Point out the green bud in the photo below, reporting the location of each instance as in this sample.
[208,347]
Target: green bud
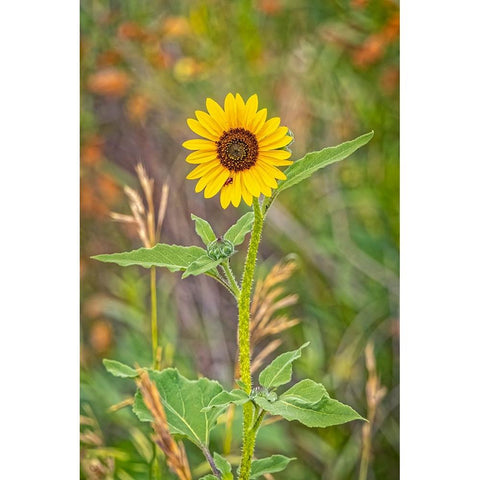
[220,248]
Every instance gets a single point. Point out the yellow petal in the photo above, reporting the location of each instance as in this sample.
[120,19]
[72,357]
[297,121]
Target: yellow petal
[269,127]
[199,144]
[247,196]
[240,110]
[273,171]
[274,161]
[209,123]
[216,184]
[237,190]
[250,111]
[226,196]
[264,188]
[259,120]
[283,142]
[201,156]
[280,154]
[251,183]
[208,177]
[273,137]
[202,169]
[231,111]
[199,129]
[266,177]
[217,113]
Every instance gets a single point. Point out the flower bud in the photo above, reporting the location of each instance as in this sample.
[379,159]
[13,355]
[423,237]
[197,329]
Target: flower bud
[220,248]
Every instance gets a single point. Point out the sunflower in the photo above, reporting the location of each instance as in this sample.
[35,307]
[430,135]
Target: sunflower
[240,150]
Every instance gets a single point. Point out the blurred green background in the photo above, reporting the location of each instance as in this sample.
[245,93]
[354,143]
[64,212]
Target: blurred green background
[330,70]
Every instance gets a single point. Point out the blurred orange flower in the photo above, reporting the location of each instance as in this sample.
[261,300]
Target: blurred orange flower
[373,49]
[359,4]
[109,82]
[109,58]
[90,203]
[108,189]
[370,51]
[270,7]
[389,79]
[138,107]
[101,335]
[91,150]
[175,26]
[98,196]
[130,31]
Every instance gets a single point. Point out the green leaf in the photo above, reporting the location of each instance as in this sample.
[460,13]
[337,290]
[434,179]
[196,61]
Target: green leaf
[279,371]
[119,369]
[275,463]
[241,384]
[201,265]
[313,161]
[309,403]
[224,466]
[173,257]
[223,399]
[204,230]
[209,477]
[183,401]
[236,233]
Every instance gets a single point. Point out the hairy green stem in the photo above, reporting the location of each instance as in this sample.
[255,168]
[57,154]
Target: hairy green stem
[244,340]
[249,444]
[231,277]
[154,322]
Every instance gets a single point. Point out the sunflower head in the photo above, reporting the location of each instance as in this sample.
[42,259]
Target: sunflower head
[239,151]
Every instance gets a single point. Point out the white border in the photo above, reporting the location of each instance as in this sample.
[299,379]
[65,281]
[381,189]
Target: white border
[39,340]
[440,239]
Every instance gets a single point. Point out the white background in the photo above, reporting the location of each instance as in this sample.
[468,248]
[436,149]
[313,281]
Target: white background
[440,240]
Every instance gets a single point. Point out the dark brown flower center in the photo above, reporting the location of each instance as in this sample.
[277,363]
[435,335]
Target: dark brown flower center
[237,149]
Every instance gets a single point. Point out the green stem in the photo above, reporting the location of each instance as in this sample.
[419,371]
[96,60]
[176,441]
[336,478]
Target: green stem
[211,462]
[154,324]
[231,277]
[244,340]
[222,282]
[259,420]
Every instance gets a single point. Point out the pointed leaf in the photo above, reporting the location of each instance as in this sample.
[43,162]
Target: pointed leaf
[279,371]
[204,230]
[275,463]
[183,401]
[236,233]
[313,161]
[224,466]
[309,403]
[209,477]
[223,399]
[173,257]
[119,369]
[201,265]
